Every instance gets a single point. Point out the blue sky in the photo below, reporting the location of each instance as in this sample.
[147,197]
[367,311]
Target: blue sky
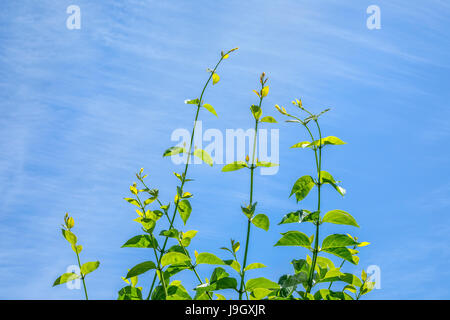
[83,110]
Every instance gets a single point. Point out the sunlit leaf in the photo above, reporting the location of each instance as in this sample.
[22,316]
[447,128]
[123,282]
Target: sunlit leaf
[88,267]
[66,277]
[294,238]
[340,217]
[234,166]
[261,221]
[204,156]
[173,151]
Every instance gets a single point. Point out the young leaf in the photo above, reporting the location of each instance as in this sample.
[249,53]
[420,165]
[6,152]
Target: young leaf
[66,277]
[171,233]
[192,101]
[268,119]
[256,111]
[328,140]
[204,156]
[234,166]
[233,264]
[341,252]
[130,293]
[261,221]
[140,269]
[255,265]
[260,283]
[303,144]
[69,236]
[340,217]
[215,78]
[173,150]
[266,164]
[185,210]
[174,258]
[326,177]
[338,240]
[210,108]
[88,267]
[141,241]
[176,291]
[132,201]
[302,187]
[294,238]
[208,258]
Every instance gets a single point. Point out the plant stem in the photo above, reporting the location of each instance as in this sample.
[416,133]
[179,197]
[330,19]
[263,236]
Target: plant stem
[183,177]
[82,275]
[249,224]
[317,223]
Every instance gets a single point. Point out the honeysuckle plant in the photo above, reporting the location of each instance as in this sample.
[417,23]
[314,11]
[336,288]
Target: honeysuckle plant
[85,268]
[259,220]
[176,258]
[315,277]
[313,271]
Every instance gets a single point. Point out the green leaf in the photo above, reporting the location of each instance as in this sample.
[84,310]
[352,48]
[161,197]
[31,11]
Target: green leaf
[268,119]
[173,150]
[234,166]
[215,78]
[141,241]
[185,210]
[88,267]
[140,269]
[77,249]
[294,238]
[300,216]
[176,291]
[351,279]
[192,101]
[328,140]
[341,252]
[255,265]
[69,236]
[233,264]
[210,108]
[208,258]
[266,164]
[171,233]
[174,258]
[261,221]
[340,217]
[302,187]
[66,277]
[130,293]
[132,201]
[303,144]
[221,284]
[261,283]
[326,177]
[204,156]
[338,240]
[249,210]
[256,111]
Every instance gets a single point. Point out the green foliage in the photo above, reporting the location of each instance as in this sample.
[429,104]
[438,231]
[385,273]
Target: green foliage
[170,245]
[311,271]
[85,268]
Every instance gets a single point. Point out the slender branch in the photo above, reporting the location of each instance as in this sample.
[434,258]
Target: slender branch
[183,177]
[317,222]
[249,223]
[82,275]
